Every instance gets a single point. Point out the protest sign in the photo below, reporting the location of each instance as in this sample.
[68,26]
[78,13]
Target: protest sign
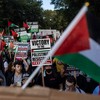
[38,56]
[33,26]
[22,50]
[24,36]
[38,44]
[46,32]
[39,49]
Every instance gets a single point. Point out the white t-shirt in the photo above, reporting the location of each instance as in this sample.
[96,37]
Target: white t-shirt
[5,64]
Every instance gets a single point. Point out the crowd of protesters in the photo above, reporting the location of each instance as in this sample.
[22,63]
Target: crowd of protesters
[55,76]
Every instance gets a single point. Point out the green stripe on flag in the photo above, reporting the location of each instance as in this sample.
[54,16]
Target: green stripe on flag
[83,63]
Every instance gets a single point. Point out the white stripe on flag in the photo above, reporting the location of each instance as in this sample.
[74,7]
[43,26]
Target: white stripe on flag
[93,53]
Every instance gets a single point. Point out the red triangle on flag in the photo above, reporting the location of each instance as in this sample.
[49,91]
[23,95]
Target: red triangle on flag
[77,40]
[25,25]
[2,44]
[14,34]
[9,23]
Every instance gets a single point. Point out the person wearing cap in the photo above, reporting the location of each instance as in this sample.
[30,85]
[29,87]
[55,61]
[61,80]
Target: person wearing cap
[70,84]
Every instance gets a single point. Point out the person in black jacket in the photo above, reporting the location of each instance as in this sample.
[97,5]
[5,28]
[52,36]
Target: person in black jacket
[51,79]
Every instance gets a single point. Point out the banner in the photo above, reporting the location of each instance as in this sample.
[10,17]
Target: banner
[38,56]
[38,44]
[45,32]
[33,26]
[39,49]
[22,50]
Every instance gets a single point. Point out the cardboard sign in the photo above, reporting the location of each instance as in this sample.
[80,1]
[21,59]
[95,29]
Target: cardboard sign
[42,93]
[22,50]
[37,57]
[34,26]
[44,32]
[38,44]
[39,50]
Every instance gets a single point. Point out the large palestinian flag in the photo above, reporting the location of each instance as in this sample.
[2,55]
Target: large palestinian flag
[87,61]
[78,50]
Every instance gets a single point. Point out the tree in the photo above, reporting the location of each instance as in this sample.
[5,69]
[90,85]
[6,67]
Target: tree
[21,10]
[48,19]
[69,8]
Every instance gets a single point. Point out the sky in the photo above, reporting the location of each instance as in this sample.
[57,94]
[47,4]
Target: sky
[46,5]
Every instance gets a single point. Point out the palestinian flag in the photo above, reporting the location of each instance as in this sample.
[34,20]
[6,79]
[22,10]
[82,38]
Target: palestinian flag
[76,49]
[2,45]
[25,25]
[14,34]
[87,61]
[10,24]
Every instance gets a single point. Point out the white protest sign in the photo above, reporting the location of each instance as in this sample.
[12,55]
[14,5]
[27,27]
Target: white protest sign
[38,56]
[39,49]
[44,32]
[38,44]
[34,26]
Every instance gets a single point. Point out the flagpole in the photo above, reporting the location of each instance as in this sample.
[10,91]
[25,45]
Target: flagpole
[59,42]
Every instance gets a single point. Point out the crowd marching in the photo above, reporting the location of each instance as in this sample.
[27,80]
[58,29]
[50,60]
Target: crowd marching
[63,77]
[57,76]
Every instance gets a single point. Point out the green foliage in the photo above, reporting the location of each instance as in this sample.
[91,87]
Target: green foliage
[69,8]
[18,11]
[48,19]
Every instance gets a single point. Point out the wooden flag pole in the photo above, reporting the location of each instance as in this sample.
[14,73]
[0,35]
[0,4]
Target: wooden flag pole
[43,82]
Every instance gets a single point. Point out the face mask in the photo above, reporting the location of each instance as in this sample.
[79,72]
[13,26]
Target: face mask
[48,70]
